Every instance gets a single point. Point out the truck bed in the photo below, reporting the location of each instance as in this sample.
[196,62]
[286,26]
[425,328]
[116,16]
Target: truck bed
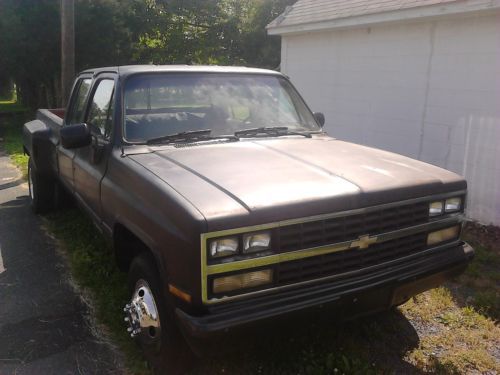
[40,138]
[54,115]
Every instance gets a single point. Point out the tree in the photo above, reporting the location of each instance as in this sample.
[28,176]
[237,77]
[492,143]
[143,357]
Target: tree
[107,32]
[30,49]
[117,32]
[216,31]
[257,48]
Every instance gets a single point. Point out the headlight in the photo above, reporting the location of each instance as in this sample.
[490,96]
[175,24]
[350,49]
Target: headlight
[223,247]
[453,204]
[443,235]
[253,242]
[445,206]
[435,208]
[243,280]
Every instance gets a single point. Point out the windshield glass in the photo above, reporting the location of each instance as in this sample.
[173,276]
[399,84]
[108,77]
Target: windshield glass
[162,104]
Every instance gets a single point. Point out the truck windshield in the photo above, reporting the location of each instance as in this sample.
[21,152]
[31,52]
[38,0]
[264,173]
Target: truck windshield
[162,104]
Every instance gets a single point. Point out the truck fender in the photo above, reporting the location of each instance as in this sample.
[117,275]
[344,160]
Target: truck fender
[146,240]
[40,144]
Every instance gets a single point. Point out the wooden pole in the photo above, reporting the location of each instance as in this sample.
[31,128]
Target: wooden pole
[67,48]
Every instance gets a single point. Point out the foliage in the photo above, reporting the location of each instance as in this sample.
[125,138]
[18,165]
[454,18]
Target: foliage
[93,266]
[119,32]
[30,49]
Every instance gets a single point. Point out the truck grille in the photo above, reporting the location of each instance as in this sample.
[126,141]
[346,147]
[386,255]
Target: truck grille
[348,260]
[346,228]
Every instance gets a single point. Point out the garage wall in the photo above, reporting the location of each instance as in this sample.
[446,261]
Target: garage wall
[428,90]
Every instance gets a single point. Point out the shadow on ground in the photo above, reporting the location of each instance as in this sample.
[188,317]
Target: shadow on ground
[8,185]
[318,344]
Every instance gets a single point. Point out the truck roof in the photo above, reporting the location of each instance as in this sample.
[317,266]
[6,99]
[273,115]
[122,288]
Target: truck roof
[134,69]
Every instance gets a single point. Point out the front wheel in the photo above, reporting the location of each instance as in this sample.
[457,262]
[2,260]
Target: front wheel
[41,190]
[150,319]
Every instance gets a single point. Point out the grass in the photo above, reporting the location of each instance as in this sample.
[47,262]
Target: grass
[14,146]
[11,107]
[93,267]
[448,330]
[483,275]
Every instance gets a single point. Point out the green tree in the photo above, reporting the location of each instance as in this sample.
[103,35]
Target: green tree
[214,31]
[30,48]
[257,48]
[117,32]
[107,32]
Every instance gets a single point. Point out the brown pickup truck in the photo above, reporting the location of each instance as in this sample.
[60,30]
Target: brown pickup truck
[229,205]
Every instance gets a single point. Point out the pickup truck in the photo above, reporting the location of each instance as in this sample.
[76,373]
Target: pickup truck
[229,205]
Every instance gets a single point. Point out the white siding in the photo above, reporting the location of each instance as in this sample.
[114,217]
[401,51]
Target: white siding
[428,90]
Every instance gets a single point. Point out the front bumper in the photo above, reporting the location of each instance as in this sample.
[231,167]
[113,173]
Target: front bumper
[359,293]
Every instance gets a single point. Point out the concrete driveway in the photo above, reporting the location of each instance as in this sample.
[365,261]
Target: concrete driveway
[43,322]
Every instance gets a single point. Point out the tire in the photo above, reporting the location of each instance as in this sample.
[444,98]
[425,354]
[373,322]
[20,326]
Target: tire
[169,354]
[41,190]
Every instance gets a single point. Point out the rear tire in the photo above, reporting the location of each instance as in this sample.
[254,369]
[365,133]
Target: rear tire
[41,190]
[171,354]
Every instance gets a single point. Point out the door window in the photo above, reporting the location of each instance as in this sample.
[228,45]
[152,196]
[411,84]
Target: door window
[100,112]
[78,103]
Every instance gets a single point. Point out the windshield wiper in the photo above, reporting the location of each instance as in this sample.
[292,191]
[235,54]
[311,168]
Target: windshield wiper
[276,131]
[189,136]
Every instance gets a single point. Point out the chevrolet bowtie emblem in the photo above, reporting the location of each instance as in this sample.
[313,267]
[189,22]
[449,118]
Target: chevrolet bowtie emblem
[363,241]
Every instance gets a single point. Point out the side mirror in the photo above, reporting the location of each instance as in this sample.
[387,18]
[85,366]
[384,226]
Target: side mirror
[320,118]
[75,136]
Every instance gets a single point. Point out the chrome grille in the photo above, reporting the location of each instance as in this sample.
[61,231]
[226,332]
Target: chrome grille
[346,228]
[348,260]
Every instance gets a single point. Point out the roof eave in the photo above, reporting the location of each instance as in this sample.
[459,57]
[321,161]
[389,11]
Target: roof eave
[452,9]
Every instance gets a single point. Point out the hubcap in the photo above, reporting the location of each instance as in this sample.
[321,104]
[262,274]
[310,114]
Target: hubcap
[142,315]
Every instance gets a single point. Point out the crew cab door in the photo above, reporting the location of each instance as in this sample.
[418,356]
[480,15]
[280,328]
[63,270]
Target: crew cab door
[90,162]
[74,115]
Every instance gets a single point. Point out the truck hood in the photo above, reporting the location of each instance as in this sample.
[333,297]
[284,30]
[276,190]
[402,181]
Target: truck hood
[282,178]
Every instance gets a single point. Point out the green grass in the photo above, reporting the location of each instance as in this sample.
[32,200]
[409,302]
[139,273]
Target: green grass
[483,275]
[451,329]
[13,143]
[93,267]
[11,107]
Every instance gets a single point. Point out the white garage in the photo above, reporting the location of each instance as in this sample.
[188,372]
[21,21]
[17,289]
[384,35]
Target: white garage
[420,78]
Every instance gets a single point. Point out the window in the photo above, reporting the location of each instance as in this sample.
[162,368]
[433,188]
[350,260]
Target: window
[77,106]
[100,113]
[162,104]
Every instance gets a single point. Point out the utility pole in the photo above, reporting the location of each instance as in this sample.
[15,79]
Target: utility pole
[67,48]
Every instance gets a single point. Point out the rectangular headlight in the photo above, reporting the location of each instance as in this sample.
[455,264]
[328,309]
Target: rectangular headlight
[436,208]
[223,247]
[453,204]
[242,280]
[253,242]
[443,235]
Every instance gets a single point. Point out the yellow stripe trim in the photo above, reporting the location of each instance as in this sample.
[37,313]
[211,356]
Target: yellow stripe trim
[277,258]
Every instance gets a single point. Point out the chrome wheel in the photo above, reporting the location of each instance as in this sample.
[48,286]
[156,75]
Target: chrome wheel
[142,315]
